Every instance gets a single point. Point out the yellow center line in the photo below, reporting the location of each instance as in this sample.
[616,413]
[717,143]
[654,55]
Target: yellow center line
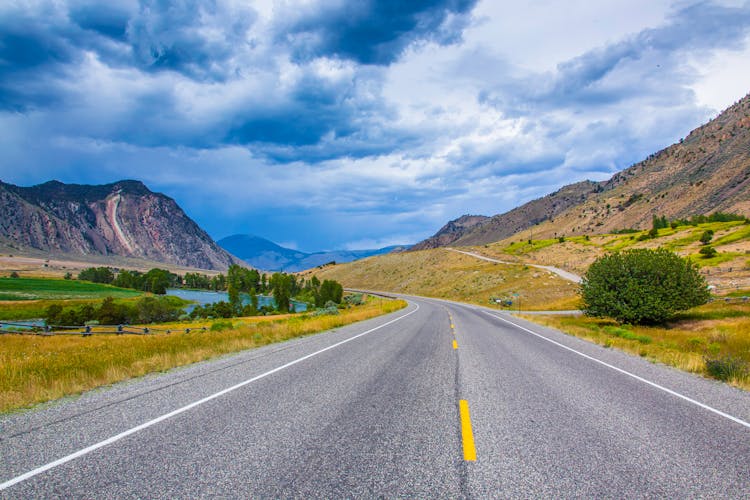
[470,452]
[455,344]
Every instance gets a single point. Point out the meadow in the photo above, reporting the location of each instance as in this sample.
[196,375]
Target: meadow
[28,298]
[56,289]
[34,369]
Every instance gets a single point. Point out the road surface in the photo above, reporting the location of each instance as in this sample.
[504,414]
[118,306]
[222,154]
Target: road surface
[438,400]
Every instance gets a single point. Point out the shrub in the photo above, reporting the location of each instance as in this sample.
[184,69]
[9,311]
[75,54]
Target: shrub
[726,367]
[708,252]
[707,236]
[219,326]
[642,286]
[354,299]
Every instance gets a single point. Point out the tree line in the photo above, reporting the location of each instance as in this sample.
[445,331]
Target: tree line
[238,280]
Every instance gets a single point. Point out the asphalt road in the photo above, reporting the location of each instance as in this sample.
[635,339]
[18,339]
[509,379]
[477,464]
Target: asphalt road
[373,410]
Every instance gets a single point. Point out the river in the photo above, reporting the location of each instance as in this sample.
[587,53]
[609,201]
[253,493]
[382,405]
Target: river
[203,297]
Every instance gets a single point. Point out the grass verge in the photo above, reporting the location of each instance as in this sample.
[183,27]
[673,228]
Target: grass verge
[712,340]
[35,369]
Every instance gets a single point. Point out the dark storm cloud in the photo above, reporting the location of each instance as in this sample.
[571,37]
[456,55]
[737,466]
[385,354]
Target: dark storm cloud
[375,32]
[193,37]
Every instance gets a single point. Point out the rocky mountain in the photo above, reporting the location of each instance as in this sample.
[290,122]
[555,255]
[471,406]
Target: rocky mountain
[124,218]
[451,232]
[267,255]
[707,171]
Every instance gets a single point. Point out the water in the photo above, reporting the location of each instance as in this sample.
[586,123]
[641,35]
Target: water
[203,297]
[22,324]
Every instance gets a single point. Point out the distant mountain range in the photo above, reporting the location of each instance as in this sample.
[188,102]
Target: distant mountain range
[124,219]
[706,172]
[267,255]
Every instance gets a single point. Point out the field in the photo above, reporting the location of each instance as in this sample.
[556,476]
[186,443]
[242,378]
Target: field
[28,298]
[449,275]
[34,369]
[54,289]
[712,340]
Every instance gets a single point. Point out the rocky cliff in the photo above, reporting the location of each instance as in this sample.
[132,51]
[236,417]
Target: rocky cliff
[124,218]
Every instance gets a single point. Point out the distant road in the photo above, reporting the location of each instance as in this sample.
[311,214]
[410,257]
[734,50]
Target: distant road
[556,270]
[437,400]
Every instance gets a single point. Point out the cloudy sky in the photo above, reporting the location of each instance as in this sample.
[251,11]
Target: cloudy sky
[326,124]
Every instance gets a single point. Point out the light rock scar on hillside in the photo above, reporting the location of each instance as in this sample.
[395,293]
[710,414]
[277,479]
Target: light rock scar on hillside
[113,203]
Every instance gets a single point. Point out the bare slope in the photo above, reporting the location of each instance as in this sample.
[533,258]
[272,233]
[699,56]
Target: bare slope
[452,231]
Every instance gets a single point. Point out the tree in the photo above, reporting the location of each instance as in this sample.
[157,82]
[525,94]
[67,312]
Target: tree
[707,252]
[642,286]
[282,285]
[97,275]
[707,236]
[157,281]
[330,291]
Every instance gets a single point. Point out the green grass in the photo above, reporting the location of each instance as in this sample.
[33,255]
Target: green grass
[741,234]
[521,247]
[719,258]
[18,289]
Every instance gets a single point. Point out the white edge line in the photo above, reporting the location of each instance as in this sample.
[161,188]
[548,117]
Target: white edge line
[113,439]
[625,372]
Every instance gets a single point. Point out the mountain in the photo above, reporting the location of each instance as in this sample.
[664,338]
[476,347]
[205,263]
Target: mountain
[260,252]
[451,232]
[707,171]
[267,255]
[124,218]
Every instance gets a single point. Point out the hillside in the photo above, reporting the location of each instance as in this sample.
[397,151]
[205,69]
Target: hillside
[123,219]
[706,172]
[727,271]
[450,275]
[451,232]
[268,256]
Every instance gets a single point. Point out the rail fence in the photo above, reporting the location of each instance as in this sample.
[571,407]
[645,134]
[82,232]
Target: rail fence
[10,328]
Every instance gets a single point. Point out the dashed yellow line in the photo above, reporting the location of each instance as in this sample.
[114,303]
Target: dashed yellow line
[455,344]
[467,435]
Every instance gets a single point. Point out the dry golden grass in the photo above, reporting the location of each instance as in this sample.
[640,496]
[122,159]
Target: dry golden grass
[713,331]
[35,369]
[444,274]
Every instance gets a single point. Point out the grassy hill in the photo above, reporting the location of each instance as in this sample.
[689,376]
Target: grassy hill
[444,274]
[729,270]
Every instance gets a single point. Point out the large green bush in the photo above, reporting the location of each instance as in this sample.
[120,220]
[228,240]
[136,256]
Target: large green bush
[642,286]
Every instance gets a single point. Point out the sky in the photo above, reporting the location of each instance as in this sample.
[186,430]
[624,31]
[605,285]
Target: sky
[331,124]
